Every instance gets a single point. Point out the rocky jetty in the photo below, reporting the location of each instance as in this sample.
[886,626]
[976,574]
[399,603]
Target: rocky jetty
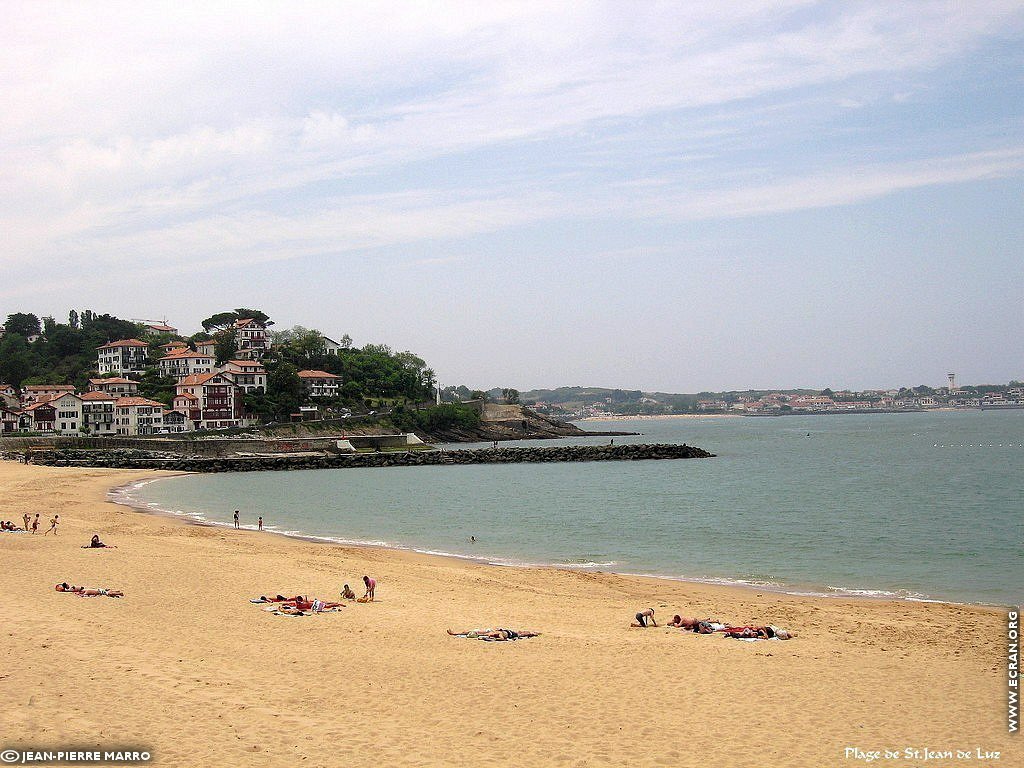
[135,459]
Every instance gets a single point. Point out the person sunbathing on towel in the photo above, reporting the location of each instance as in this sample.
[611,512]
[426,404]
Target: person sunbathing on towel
[758,633]
[494,634]
[682,622]
[88,591]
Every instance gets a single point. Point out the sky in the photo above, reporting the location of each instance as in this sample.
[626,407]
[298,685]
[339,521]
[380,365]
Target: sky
[656,196]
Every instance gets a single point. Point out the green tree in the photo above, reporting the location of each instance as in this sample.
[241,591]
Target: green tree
[23,324]
[224,320]
[226,346]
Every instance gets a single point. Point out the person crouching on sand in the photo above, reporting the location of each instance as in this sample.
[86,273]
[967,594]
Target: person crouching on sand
[645,618]
[95,543]
[347,593]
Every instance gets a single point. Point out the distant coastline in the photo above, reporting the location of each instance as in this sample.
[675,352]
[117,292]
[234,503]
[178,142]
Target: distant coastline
[658,416]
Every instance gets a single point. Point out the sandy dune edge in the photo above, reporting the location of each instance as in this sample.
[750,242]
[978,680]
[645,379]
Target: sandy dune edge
[186,667]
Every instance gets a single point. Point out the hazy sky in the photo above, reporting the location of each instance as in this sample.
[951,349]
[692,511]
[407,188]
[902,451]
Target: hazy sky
[641,195]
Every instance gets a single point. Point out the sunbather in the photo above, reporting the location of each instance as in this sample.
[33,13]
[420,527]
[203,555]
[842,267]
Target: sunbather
[758,633]
[88,591]
[492,635]
[682,622]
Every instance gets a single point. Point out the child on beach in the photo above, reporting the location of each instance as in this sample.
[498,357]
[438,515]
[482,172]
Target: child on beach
[371,585]
[347,593]
[259,523]
[28,519]
[35,523]
[54,522]
[236,518]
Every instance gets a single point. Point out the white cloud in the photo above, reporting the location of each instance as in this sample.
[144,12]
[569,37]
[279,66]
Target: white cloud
[162,136]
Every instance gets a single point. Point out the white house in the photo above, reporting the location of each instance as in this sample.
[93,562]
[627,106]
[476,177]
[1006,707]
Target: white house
[36,393]
[98,412]
[210,400]
[207,347]
[61,414]
[122,357]
[115,385]
[10,420]
[138,416]
[250,339]
[247,375]
[180,363]
[320,383]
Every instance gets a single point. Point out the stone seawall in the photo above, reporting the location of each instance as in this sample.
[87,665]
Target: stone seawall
[133,459]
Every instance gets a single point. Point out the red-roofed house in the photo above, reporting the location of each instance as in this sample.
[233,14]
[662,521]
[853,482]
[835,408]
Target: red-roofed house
[115,385]
[250,339]
[180,363]
[210,400]
[34,393]
[208,347]
[247,375]
[61,414]
[122,357]
[320,383]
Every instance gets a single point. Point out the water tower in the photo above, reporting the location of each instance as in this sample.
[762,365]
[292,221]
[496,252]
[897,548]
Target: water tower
[952,381]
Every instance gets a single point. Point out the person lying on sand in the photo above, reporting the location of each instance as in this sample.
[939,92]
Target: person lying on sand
[708,627]
[97,544]
[682,622]
[758,633]
[347,593]
[299,602]
[88,591]
[494,635]
[645,618]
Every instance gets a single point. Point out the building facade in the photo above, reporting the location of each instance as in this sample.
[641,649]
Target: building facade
[122,358]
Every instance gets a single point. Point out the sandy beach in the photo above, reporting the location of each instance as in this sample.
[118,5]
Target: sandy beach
[186,667]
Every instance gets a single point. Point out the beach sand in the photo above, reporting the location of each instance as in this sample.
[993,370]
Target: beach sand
[186,667]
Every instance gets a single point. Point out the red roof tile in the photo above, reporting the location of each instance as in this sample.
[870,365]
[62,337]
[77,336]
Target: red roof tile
[124,343]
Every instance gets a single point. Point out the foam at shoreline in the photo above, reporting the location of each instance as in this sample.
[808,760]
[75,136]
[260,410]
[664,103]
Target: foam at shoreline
[123,495]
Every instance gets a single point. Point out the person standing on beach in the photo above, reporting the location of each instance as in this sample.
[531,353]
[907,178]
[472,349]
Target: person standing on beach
[371,585]
[53,525]
[35,523]
[236,519]
[259,522]
[27,518]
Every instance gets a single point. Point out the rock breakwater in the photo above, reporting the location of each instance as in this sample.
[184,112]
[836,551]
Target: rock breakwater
[133,459]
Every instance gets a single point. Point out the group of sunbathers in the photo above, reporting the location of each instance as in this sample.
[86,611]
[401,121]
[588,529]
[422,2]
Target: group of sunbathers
[645,618]
[8,525]
[304,606]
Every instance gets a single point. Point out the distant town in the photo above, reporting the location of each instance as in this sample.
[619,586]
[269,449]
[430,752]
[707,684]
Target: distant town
[583,402]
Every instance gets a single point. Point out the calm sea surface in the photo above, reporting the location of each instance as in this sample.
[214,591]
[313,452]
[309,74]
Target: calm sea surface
[917,505]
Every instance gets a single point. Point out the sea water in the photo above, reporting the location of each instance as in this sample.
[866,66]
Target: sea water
[916,505]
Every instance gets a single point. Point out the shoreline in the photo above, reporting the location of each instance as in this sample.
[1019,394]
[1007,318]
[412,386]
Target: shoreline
[194,672]
[808,591]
